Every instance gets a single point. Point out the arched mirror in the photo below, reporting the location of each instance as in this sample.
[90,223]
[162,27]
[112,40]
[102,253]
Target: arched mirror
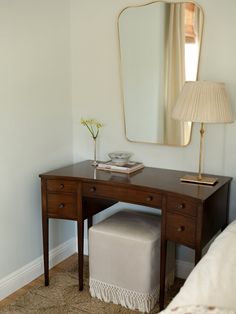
[159,49]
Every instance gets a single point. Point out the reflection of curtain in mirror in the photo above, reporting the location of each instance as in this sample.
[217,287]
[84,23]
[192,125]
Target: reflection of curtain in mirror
[198,25]
[174,71]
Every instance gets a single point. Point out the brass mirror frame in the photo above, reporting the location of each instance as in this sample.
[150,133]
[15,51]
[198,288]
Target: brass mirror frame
[120,66]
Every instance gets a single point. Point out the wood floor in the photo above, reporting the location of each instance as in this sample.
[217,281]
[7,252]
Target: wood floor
[63,265]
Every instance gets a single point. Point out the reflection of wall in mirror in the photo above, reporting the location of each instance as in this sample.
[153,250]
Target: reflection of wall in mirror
[141,65]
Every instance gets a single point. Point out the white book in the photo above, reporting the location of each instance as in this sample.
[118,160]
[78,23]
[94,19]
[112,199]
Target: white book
[128,167]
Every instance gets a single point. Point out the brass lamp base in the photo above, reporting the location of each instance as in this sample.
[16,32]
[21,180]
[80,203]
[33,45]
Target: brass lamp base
[195,179]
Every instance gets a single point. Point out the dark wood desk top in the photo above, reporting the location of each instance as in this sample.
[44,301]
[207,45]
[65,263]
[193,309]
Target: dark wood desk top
[150,178]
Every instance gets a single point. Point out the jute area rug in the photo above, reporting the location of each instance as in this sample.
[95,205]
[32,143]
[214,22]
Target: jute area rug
[63,296]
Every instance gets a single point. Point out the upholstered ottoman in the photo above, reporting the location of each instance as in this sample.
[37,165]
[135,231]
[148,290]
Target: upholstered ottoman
[124,260]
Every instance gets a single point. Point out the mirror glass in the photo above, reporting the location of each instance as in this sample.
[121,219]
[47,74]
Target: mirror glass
[159,50]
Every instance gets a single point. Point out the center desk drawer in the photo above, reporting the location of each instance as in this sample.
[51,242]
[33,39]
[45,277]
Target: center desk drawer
[122,194]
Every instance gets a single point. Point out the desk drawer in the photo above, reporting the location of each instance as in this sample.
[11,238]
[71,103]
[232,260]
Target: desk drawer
[62,205]
[181,206]
[61,186]
[122,194]
[180,229]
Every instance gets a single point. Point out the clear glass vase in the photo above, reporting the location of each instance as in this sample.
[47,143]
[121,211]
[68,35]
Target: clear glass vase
[95,163]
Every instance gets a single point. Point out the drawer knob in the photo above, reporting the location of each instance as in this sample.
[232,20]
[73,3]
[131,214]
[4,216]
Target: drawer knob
[181,229]
[92,189]
[62,205]
[149,198]
[61,186]
[181,206]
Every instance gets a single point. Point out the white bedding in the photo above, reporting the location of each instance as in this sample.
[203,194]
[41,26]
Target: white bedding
[198,309]
[213,281]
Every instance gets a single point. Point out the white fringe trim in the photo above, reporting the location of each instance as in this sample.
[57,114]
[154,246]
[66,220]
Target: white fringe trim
[144,302]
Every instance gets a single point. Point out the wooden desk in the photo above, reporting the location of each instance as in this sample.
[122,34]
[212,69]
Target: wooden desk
[191,214]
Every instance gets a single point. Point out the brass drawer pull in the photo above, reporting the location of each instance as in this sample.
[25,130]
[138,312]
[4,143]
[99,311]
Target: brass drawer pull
[180,206]
[149,198]
[61,186]
[62,205]
[92,189]
[181,229]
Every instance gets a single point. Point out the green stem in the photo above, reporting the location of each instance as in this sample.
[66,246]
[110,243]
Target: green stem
[90,130]
[97,133]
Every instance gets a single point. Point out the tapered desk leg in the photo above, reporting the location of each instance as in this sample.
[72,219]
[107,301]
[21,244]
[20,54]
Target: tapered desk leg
[90,221]
[162,273]
[80,231]
[198,255]
[45,233]
[45,251]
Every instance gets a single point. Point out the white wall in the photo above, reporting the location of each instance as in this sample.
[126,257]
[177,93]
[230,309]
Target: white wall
[35,122]
[96,89]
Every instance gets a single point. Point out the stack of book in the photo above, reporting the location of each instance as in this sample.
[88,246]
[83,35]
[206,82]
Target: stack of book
[128,167]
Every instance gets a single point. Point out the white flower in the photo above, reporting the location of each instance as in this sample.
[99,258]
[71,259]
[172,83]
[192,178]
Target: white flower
[93,126]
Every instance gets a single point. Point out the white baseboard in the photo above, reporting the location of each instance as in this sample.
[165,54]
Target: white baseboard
[183,268]
[34,269]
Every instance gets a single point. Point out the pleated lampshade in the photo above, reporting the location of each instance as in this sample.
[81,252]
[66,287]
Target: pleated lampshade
[203,101]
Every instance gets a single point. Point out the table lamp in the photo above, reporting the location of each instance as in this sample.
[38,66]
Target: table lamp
[203,102]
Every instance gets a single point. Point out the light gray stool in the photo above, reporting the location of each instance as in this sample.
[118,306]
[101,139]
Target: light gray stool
[124,260]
